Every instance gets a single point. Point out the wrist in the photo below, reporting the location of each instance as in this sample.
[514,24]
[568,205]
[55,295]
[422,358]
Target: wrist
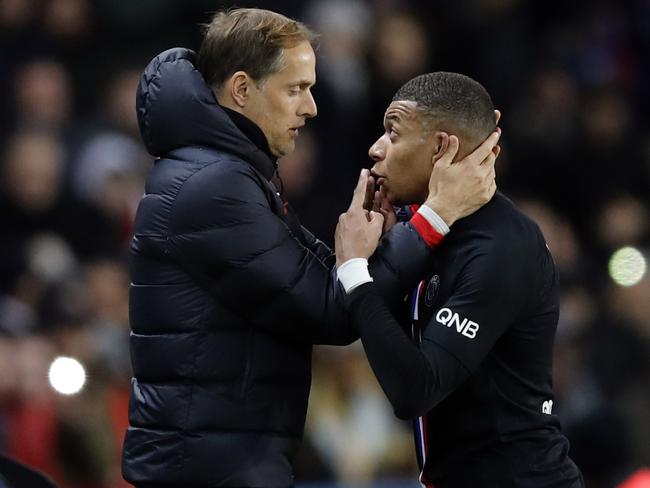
[429,225]
[448,215]
[434,220]
[353,273]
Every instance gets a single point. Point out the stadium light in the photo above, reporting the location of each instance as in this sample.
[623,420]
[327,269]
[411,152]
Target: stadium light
[627,266]
[67,376]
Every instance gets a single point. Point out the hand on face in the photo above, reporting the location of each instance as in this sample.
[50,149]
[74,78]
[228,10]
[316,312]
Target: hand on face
[457,190]
[358,230]
[377,201]
[384,206]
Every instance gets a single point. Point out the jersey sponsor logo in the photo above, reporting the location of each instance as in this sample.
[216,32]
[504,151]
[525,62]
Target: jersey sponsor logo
[547,407]
[464,326]
[432,290]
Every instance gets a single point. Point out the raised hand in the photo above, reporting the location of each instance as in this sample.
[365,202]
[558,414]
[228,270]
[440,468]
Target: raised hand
[458,189]
[358,230]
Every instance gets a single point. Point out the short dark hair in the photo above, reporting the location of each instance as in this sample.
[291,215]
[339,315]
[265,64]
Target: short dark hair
[455,102]
[247,39]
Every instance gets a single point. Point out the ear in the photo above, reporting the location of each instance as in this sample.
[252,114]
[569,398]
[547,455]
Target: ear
[440,145]
[239,86]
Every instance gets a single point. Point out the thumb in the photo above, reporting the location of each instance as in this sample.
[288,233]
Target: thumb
[376,219]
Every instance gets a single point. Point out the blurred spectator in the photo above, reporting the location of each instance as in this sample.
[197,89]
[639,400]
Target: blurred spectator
[15,12]
[33,200]
[561,238]
[120,103]
[43,97]
[351,423]
[67,18]
[622,221]
[108,176]
[545,126]
[299,169]
[343,27]
[401,49]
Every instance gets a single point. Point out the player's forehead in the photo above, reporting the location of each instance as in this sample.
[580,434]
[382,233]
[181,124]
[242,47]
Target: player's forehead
[402,111]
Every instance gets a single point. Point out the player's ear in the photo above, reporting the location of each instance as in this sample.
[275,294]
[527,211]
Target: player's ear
[440,145]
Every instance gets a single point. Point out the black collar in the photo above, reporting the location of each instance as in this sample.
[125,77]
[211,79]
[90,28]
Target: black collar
[252,131]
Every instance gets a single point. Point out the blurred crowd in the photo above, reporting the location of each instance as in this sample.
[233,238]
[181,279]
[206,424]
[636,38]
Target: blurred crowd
[572,80]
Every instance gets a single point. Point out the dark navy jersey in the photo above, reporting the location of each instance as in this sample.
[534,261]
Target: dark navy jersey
[472,360]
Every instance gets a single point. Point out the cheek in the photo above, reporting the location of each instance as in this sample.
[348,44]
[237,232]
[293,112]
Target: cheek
[281,107]
[400,165]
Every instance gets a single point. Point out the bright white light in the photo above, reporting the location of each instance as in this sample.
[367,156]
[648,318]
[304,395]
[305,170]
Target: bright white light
[627,266]
[67,376]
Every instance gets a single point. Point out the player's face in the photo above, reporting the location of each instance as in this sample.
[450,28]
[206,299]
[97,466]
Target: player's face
[403,154]
[282,102]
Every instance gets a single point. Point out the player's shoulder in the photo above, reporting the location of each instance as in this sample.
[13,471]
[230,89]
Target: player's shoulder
[500,232]
[509,222]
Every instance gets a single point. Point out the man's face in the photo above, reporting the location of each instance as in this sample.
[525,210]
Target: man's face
[282,102]
[403,154]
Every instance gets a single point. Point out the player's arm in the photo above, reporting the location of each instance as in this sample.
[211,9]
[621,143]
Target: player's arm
[318,247]
[249,259]
[413,380]
[491,291]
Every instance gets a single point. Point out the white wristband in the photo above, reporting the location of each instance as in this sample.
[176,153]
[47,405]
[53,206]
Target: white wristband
[434,219]
[353,273]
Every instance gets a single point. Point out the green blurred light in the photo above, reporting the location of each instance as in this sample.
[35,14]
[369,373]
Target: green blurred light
[627,266]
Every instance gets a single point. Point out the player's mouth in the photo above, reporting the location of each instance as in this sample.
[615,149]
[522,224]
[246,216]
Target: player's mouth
[379,179]
[294,131]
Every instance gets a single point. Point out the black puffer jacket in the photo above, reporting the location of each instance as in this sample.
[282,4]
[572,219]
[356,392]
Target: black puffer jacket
[227,297]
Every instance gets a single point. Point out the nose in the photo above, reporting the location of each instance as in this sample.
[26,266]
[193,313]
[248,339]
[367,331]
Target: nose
[308,107]
[377,151]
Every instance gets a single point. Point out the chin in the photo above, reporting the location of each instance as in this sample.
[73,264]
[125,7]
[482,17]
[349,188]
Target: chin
[283,151]
[402,200]
[397,201]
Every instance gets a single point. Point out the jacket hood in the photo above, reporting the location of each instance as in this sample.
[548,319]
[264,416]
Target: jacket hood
[176,108]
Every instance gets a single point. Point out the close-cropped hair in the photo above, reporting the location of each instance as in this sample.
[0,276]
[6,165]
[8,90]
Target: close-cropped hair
[453,102]
[247,39]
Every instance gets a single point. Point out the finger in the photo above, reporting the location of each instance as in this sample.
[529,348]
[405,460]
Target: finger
[496,150]
[376,202]
[489,161]
[493,189]
[387,206]
[370,192]
[376,219]
[491,176]
[497,116]
[383,198]
[450,153]
[359,194]
[482,152]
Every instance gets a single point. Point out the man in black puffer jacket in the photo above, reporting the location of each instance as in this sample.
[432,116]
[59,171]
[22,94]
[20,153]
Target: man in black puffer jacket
[229,292]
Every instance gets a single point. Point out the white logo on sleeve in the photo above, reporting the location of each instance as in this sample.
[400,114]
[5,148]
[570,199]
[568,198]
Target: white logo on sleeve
[547,407]
[451,319]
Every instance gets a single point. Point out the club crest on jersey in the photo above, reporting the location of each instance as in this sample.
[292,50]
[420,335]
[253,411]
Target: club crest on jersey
[432,291]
